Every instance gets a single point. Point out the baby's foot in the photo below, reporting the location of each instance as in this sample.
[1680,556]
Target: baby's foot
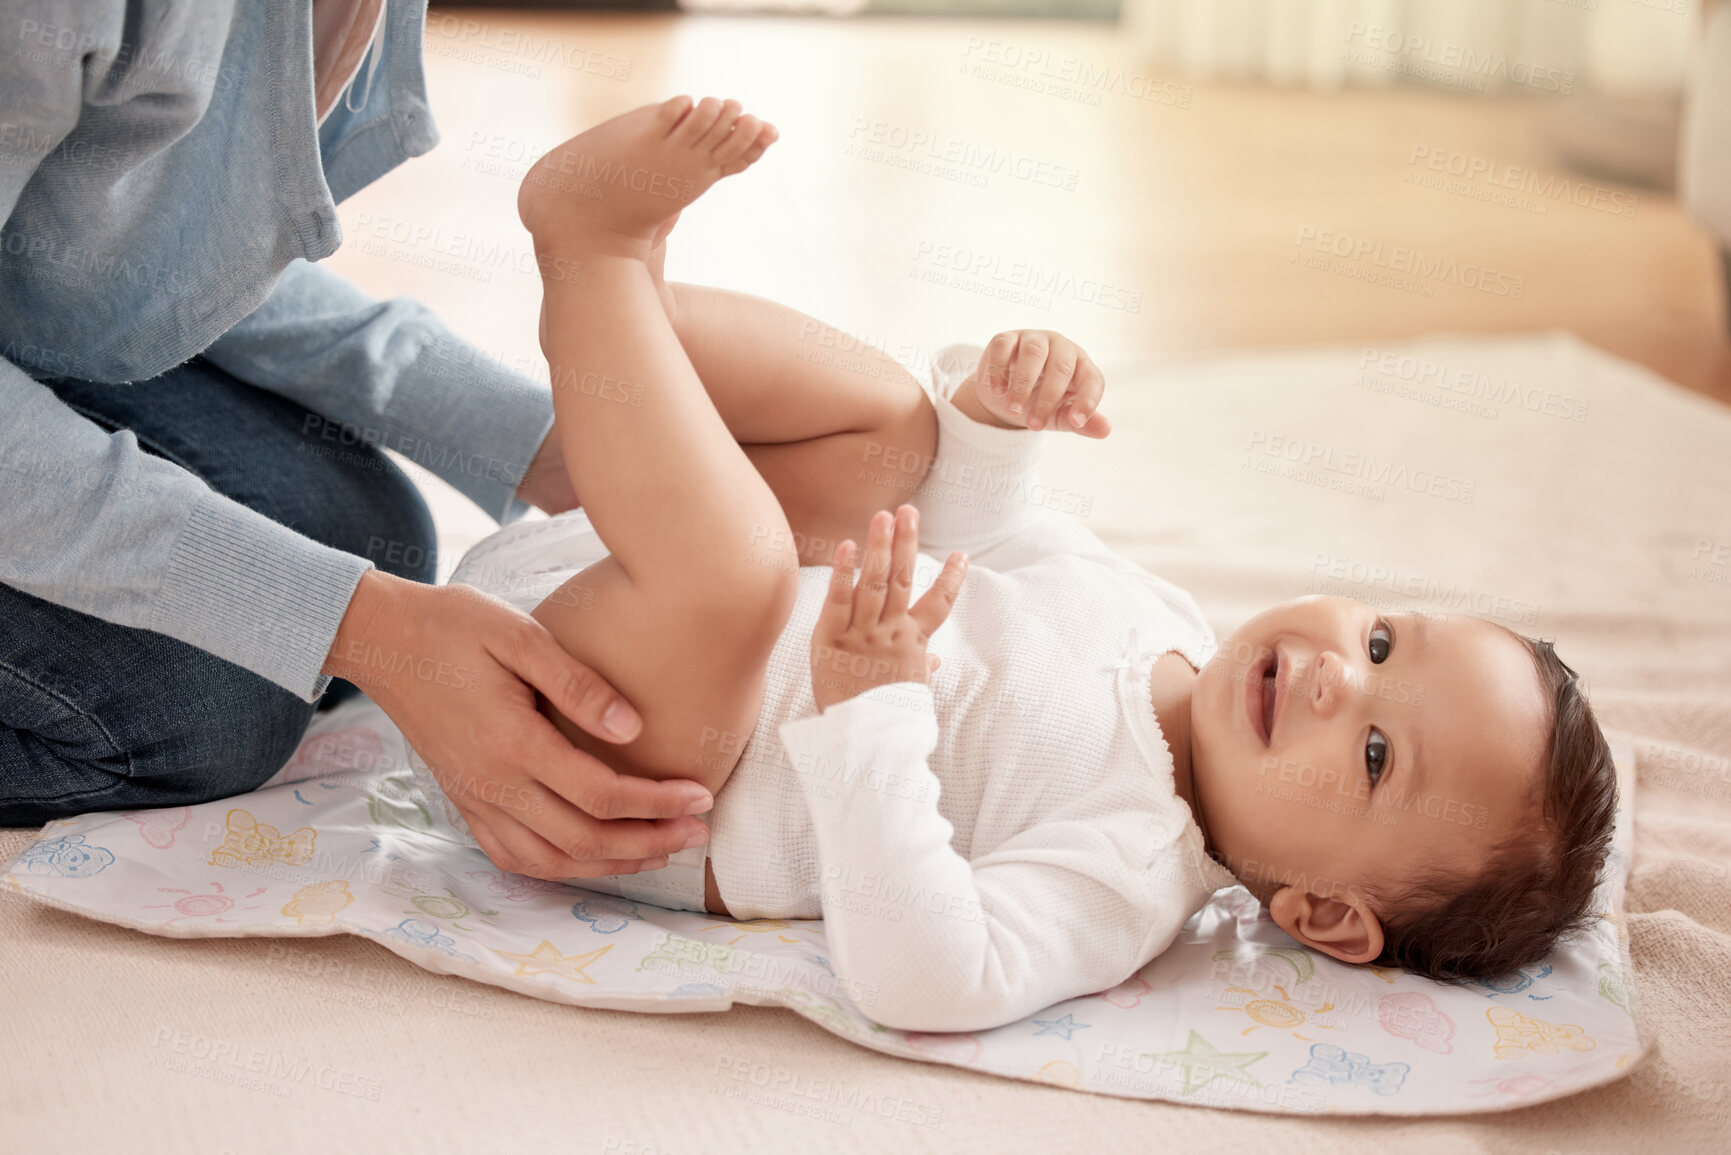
[657,262]
[613,188]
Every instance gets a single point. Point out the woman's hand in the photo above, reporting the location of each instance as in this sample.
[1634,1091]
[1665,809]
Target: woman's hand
[457,671]
[867,635]
[1034,378]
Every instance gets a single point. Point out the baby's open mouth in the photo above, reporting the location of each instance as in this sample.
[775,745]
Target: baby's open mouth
[1270,694]
[1261,692]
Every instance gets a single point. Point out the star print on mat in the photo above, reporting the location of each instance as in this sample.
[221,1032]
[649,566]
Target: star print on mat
[1202,1063]
[1061,1026]
[546,960]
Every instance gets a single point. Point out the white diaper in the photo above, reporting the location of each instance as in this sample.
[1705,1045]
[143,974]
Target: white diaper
[522,564]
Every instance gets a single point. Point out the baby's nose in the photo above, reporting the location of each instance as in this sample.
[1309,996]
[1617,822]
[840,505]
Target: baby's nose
[1326,674]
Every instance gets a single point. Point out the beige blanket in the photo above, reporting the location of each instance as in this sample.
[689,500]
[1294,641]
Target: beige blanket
[1599,514]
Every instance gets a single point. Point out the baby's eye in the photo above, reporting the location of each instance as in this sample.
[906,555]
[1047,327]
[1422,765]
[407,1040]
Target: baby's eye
[1375,755]
[1381,642]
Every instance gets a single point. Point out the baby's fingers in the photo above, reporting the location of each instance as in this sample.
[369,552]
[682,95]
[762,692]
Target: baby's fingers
[874,574]
[994,368]
[1088,386]
[1098,427]
[1031,351]
[838,606]
[1057,382]
[931,610]
[904,548]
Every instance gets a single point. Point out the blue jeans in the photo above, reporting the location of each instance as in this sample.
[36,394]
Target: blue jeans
[95,716]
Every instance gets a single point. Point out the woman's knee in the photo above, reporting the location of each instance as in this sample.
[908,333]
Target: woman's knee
[403,540]
[197,729]
[231,749]
[376,513]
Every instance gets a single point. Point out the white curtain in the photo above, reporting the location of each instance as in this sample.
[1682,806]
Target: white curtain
[1478,46]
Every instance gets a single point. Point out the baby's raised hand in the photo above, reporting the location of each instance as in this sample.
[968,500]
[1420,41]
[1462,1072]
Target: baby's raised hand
[867,635]
[1034,379]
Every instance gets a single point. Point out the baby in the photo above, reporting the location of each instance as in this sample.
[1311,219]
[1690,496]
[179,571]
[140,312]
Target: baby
[1009,790]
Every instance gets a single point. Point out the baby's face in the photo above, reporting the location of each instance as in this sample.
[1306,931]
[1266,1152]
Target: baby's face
[1336,746]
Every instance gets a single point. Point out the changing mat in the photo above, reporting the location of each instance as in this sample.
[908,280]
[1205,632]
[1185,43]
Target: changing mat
[1235,1014]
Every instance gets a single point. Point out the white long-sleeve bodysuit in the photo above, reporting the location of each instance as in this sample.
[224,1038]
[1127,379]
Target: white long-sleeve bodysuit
[984,847]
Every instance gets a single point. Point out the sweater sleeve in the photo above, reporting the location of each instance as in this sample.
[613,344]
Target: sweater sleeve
[90,521]
[983,493]
[1061,910]
[393,375]
[976,493]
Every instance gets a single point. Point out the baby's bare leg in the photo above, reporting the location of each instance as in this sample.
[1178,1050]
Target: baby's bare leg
[682,616]
[836,438]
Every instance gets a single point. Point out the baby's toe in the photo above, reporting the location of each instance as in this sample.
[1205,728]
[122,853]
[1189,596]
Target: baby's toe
[698,122]
[718,132]
[743,136]
[671,111]
[766,136]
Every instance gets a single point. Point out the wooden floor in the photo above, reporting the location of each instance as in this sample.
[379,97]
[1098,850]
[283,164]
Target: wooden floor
[930,187]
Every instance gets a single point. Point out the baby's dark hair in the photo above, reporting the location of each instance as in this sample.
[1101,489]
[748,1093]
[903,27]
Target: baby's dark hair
[1530,892]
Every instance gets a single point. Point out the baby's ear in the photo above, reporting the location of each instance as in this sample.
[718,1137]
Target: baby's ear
[1348,931]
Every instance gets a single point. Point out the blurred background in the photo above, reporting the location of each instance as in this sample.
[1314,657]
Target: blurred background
[1158,178]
